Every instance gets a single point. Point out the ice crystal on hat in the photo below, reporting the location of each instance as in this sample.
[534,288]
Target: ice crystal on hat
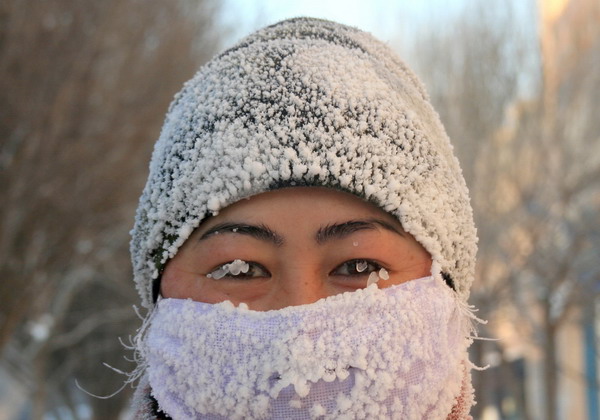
[304,102]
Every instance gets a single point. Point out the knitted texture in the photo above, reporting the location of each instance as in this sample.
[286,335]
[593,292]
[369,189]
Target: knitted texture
[313,103]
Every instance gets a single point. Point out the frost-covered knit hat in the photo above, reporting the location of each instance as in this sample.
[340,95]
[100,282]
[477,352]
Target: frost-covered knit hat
[304,102]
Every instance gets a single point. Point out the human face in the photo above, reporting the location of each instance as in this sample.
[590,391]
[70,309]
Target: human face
[301,244]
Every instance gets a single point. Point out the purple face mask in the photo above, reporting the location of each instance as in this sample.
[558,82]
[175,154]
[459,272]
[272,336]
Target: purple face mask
[398,352]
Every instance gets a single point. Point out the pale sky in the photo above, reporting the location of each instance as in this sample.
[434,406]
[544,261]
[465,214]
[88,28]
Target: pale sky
[388,20]
[396,22]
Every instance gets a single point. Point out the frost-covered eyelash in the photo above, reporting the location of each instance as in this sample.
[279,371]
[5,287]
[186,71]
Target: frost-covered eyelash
[363,264]
[234,268]
[238,266]
[379,273]
[375,276]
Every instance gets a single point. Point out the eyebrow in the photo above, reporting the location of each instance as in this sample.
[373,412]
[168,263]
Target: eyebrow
[260,232]
[341,230]
[324,234]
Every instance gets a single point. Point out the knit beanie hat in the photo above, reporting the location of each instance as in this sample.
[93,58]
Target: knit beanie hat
[305,102]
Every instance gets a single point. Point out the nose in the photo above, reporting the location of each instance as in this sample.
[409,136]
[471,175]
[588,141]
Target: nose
[298,287]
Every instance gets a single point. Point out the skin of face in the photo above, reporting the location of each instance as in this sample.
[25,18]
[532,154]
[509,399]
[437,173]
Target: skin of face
[301,244]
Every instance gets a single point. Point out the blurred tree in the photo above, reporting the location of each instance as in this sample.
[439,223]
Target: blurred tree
[554,173]
[533,166]
[83,90]
[473,68]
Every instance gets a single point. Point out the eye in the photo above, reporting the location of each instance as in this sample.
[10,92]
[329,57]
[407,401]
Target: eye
[238,269]
[356,267]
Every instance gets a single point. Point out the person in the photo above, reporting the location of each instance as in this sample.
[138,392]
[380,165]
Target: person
[305,243]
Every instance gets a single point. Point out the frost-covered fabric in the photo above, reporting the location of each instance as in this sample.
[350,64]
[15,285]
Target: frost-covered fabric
[388,353]
[304,102]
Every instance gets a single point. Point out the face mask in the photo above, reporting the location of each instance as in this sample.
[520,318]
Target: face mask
[398,352]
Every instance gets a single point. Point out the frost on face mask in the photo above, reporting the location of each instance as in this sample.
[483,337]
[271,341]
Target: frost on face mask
[335,358]
[233,268]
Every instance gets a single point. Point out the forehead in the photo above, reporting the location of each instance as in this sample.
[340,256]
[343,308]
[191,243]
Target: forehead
[302,205]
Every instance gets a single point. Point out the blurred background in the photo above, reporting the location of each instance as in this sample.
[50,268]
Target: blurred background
[84,86]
